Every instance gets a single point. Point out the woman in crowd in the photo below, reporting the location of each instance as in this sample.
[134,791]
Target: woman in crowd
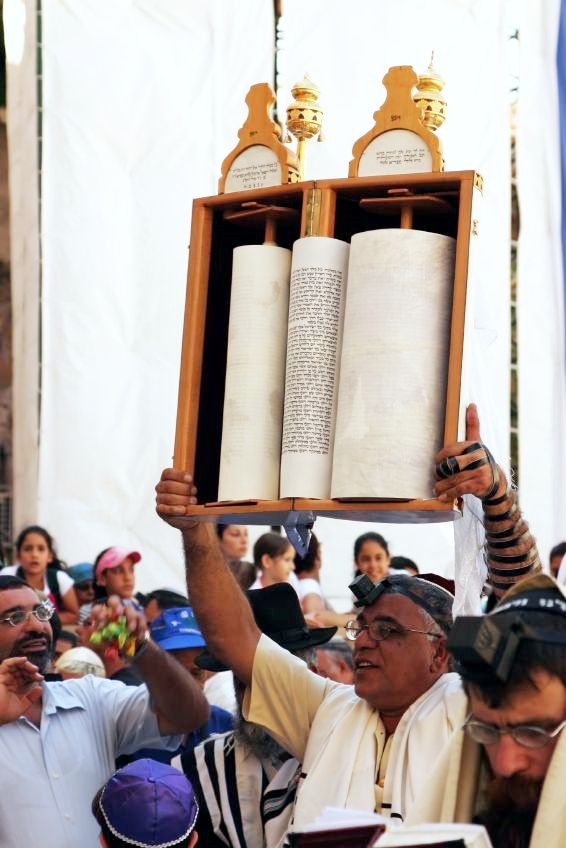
[274,557]
[233,539]
[38,565]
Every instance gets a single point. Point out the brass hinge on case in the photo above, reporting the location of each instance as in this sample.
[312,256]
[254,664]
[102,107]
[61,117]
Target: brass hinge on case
[313,212]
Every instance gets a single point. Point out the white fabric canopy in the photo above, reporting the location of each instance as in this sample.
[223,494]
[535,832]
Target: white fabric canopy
[346,49]
[141,102]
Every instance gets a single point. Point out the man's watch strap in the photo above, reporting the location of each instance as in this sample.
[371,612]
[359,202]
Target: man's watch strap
[141,649]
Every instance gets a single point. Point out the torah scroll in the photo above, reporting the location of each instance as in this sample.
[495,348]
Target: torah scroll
[394,364]
[255,374]
[316,312]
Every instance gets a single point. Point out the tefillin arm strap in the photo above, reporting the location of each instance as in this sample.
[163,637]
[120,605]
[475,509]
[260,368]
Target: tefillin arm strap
[511,551]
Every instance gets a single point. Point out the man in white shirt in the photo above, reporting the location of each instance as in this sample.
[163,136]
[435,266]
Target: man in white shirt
[57,752]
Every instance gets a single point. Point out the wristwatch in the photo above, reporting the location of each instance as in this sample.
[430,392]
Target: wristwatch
[142,648]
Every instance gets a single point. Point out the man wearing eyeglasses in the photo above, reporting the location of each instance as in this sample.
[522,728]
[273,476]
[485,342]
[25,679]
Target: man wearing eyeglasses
[506,768]
[371,748]
[58,745]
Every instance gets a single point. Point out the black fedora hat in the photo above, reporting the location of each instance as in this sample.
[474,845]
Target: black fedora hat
[278,614]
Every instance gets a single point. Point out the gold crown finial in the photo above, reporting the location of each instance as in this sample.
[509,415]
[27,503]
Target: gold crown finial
[429,97]
[304,117]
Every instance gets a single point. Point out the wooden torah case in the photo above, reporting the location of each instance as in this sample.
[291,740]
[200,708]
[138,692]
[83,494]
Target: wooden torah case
[353,211]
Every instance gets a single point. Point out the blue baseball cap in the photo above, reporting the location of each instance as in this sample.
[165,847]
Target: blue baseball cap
[149,804]
[177,628]
[81,571]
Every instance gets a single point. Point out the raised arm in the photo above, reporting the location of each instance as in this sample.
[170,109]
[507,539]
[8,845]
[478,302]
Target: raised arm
[468,468]
[221,608]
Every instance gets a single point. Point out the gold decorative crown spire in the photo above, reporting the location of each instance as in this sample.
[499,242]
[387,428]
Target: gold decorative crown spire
[304,118]
[429,98]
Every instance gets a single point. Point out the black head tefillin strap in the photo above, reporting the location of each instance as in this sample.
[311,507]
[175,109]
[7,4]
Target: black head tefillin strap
[367,592]
[487,647]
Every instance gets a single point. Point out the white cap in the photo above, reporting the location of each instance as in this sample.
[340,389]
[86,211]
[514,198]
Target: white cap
[80,661]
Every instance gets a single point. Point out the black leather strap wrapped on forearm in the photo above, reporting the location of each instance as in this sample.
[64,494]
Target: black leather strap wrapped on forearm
[511,551]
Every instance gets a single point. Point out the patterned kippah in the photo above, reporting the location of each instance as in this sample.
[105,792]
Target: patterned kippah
[433,598]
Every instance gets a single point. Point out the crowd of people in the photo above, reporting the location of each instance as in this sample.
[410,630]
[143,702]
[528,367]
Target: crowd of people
[238,711]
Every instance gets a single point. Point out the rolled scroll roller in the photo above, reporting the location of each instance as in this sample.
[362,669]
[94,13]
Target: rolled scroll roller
[392,391]
[255,374]
[316,310]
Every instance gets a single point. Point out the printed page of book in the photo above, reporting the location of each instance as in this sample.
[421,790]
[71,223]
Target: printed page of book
[340,817]
[394,364]
[255,374]
[316,310]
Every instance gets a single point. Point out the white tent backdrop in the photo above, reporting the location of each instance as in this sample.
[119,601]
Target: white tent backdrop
[346,48]
[540,302]
[141,102]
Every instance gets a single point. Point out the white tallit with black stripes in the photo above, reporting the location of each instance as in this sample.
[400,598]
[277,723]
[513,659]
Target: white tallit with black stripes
[244,802]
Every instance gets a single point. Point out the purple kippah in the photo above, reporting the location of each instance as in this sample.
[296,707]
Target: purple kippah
[149,804]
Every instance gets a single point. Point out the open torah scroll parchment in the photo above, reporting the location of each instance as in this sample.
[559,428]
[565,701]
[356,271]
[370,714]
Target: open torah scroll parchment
[314,339]
[394,364]
[359,352]
[255,374]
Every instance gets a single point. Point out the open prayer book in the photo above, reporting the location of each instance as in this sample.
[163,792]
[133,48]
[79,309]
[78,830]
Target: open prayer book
[340,827]
[357,829]
[337,367]
[438,835]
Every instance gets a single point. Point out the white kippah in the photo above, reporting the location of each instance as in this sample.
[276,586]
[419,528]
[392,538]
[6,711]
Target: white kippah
[80,661]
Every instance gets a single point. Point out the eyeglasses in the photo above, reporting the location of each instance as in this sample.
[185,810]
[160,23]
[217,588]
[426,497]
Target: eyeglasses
[379,631]
[526,735]
[43,612]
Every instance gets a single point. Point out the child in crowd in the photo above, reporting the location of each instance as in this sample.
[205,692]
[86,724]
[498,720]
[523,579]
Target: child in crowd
[83,578]
[114,575]
[177,632]
[275,558]
[371,556]
[403,564]
[38,565]
[146,803]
